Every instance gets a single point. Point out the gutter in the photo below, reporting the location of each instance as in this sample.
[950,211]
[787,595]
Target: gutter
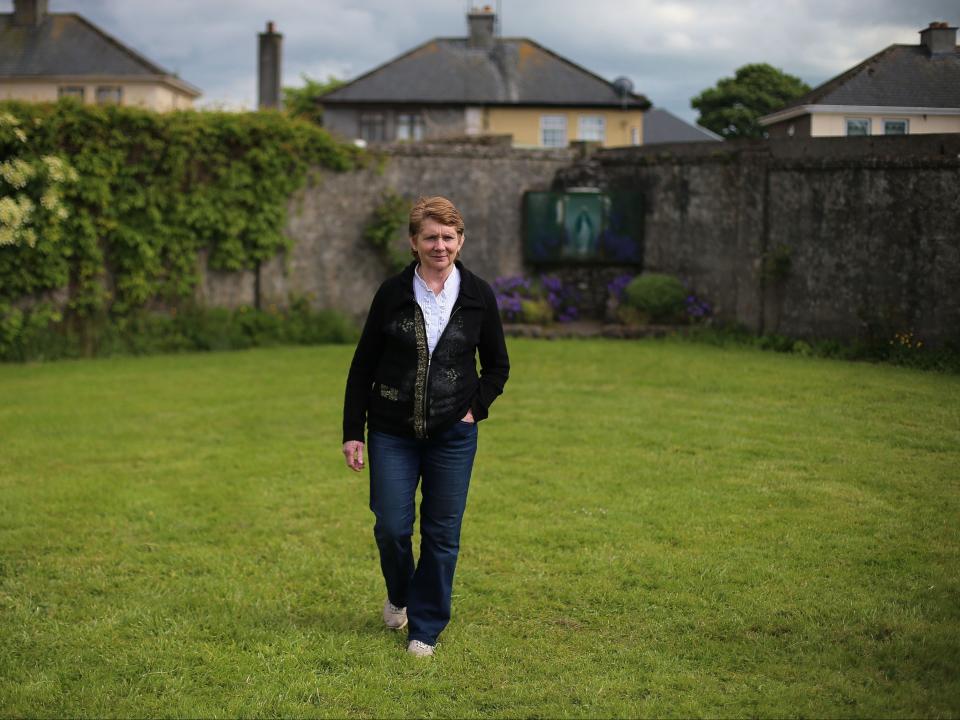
[798,110]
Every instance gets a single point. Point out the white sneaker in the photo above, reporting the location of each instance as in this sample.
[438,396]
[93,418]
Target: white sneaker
[419,649]
[394,617]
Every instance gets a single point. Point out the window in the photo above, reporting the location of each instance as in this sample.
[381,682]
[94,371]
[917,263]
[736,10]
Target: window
[592,128]
[409,127]
[371,127]
[896,127]
[474,120]
[858,126]
[553,131]
[109,95]
[71,91]
[634,136]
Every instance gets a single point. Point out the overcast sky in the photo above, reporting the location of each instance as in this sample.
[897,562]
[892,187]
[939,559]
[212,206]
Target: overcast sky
[671,50]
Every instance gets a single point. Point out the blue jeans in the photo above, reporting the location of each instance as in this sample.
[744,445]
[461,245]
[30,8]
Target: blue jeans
[396,466]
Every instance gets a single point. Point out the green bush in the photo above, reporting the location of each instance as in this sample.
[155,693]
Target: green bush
[629,315]
[40,335]
[902,349]
[661,297]
[536,312]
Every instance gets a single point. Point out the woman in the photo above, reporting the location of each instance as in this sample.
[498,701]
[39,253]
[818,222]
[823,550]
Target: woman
[413,382]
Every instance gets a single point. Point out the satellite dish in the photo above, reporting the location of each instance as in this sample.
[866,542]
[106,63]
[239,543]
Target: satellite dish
[623,86]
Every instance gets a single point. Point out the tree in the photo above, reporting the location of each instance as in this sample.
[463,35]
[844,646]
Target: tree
[734,106]
[302,101]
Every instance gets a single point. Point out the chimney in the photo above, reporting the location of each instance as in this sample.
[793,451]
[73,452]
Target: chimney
[939,38]
[29,12]
[268,59]
[481,22]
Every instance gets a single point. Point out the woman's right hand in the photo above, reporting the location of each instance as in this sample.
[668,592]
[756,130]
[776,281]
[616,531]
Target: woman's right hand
[353,453]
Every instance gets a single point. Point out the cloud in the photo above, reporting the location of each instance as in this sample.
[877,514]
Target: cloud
[671,49]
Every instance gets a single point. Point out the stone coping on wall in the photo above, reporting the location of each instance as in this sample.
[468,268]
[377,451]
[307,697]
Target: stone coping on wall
[586,329]
[942,149]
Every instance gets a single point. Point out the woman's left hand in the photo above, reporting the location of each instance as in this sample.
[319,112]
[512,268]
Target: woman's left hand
[468,418]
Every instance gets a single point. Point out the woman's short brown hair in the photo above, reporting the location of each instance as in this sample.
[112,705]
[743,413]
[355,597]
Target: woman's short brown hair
[437,208]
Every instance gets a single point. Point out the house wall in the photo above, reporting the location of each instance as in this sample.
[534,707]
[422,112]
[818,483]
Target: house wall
[800,125]
[832,125]
[524,124]
[150,95]
[31,92]
[438,122]
[156,97]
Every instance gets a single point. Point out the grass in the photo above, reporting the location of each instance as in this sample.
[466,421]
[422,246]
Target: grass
[654,529]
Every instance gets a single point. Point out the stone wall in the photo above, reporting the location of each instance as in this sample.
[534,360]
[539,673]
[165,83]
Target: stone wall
[332,263]
[816,238]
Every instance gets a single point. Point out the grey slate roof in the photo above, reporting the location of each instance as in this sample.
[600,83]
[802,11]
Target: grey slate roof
[899,76]
[662,126]
[516,71]
[67,44]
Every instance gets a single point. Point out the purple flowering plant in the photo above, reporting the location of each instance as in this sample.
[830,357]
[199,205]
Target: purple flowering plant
[617,287]
[511,291]
[697,308]
[564,298]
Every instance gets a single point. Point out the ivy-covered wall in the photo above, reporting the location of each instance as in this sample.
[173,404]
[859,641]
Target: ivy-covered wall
[108,210]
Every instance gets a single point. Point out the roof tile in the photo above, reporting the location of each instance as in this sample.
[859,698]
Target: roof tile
[515,71]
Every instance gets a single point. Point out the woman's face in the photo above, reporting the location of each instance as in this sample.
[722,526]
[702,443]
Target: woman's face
[437,245]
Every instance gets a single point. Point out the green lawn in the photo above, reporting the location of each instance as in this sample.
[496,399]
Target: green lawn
[654,529]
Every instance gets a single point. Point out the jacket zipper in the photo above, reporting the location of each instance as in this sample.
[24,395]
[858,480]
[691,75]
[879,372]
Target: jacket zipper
[426,384]
[423,361]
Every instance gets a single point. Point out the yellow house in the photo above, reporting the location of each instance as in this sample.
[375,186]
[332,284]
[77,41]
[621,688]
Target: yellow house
[902,90]
[46,56]
[486,85]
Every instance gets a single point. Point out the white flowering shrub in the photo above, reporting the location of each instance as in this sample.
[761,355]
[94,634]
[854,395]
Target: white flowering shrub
[30,187]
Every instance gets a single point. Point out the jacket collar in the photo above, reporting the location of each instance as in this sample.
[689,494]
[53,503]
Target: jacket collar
[469,295]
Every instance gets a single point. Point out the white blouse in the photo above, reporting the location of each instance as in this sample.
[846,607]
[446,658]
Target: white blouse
[436,308]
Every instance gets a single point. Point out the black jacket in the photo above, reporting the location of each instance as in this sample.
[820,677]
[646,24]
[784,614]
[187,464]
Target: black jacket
[397,388]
